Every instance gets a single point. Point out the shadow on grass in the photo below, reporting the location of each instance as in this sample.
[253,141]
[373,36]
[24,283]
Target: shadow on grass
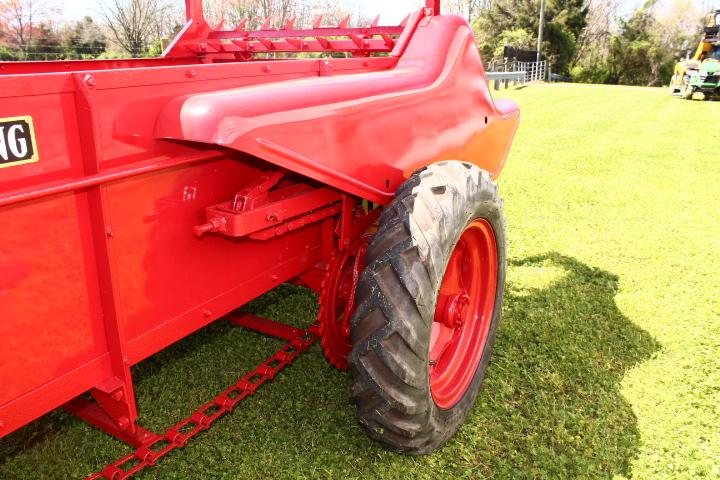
[551,405]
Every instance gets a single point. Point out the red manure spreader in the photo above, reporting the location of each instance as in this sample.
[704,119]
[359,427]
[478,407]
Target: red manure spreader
[143,199]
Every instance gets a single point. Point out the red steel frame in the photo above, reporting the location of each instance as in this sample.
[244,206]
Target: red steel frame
[156,207]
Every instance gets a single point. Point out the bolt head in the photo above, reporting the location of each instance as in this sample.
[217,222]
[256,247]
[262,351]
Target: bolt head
[123,423]
[460,310]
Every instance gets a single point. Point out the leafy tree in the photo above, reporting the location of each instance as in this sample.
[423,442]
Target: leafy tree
[279,11]
[19,18]
[85,39]
[590,64]
[518,38]
[639,50]
[679,25]
[5,51]
[564,23]
[46,43]
[470,9]
[7,54]
[637,57]
[135,24]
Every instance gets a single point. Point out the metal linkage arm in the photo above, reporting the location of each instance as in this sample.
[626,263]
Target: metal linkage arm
[434,4]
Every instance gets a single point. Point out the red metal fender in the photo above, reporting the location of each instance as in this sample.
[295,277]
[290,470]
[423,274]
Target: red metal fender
[363,133]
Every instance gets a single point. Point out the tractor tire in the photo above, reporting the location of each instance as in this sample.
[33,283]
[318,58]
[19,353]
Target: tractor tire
[428,307]
[687,91]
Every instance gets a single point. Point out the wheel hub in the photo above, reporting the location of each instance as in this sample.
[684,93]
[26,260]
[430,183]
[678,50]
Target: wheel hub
[453,309]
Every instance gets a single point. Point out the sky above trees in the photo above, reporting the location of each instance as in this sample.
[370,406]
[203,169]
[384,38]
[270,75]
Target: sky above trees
[391,10]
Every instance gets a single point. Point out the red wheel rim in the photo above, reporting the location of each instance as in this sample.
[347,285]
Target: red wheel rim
[463,314]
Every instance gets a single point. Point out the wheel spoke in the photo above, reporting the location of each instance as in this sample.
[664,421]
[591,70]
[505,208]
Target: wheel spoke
[453,281]
[442,338]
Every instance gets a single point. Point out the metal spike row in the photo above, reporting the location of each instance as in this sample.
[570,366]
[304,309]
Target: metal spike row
[267,43]
[243,44]
[375,22]
[242,26]
[318,22]
[357,40]
[389,41]
[344,22]
[295,42]
[290,24]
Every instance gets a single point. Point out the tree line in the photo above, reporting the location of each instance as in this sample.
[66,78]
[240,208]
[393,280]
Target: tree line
[27,32]
[596,41]
[589,40]
[135,28]
[30,30]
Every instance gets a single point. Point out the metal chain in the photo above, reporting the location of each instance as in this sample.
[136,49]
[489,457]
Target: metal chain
[201,419]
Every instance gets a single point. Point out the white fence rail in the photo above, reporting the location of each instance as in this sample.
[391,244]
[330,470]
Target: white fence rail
[534,71]
[505,78]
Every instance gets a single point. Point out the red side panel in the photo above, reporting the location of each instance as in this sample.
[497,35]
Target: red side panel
[41,276]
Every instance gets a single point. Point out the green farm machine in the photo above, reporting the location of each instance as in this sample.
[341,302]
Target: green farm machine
[699,76]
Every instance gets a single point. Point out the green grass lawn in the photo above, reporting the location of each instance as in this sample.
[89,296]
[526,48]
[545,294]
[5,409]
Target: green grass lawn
[607,363]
